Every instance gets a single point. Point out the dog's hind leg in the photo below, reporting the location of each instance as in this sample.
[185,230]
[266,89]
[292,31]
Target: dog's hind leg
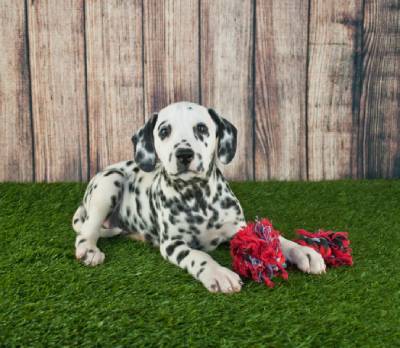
[78,219]
[105,232]
[102,198]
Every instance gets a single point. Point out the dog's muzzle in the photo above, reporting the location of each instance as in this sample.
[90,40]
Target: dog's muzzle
[184,157]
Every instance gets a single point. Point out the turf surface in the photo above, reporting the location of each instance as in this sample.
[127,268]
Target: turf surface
[137,299]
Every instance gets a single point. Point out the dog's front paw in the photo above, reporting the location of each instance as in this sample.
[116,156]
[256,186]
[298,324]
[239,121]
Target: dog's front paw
[221,279]
[307,259]
[89,255]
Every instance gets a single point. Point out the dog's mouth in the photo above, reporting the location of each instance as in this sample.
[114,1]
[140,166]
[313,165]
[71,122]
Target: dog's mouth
[185,171]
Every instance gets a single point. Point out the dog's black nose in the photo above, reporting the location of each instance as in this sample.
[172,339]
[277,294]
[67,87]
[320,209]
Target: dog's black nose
[184,156]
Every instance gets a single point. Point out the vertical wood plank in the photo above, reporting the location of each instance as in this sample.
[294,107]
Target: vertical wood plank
[58,89]
[226,72]
[280,89]
[171,52]
[115,79]
[379,136]
[333,43]
[15,122]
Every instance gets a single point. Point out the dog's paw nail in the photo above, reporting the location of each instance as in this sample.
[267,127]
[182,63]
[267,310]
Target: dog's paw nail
[221,279]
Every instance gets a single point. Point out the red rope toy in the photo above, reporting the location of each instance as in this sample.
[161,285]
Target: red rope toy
[256,250]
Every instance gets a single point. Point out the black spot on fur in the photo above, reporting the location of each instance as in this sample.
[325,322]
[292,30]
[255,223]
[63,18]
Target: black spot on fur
[165,227]
[117,183]
[171,219]
[199,272]
[203,263]
[113,201]
[182,254]
[153,231]
[215,198]
[178,237]
[214,218]
[207,190]
[171,248]
[228,203]
[200,167]
[194,229]
[197,219]
[75,221]
[174,211]
[195,243]
[138,206]
[114,171]
[215,241]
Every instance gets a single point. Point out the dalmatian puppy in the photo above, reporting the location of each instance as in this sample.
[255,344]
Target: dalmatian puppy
[174,196]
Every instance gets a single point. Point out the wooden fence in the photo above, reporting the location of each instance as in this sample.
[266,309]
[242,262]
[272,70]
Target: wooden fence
[312,85]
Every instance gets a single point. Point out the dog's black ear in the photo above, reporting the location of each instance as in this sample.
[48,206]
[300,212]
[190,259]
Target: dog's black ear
[143,144]
[227,137]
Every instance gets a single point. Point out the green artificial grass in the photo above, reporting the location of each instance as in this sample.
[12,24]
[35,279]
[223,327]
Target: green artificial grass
[137,299]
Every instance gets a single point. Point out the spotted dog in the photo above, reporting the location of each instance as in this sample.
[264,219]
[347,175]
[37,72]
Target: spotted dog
[174,196]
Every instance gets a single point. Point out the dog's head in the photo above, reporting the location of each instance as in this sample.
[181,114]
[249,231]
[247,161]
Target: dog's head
[186,138]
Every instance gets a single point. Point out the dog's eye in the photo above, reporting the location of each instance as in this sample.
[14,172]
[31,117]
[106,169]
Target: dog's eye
[164,132]
[202,128]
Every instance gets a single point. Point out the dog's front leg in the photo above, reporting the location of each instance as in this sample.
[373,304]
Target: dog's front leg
[201,266]
[306,259]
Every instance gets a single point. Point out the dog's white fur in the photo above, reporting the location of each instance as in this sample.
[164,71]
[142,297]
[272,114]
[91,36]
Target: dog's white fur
[183,208]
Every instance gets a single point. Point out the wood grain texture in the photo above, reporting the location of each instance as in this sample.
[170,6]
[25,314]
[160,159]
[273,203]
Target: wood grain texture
[171,52]
[313,86]
[115,79]
[56,35]
[226,73]
[333,39]
[280,89]
[15,121]
[379,128]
